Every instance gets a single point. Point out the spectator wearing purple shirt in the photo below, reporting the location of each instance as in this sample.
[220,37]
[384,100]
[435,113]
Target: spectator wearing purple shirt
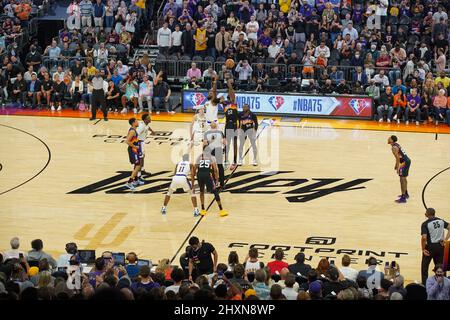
[305,10]
[171,5]
[413,105]
[265,38]
[320,6]
[146,282]
[357,14]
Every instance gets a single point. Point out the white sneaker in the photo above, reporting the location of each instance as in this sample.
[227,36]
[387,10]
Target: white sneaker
[196,212]
[407,121]
[255,163]
[59,108]
[389,120]
[130,186]
[53,108]
[124,110]
[417,123]
[157,112]
[239,163]
[172,112]
[381,120]
[437,122]
[163,210]
[398,121]
[135,110]
[395,117]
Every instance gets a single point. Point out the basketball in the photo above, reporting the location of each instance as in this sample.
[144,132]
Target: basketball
[229,63]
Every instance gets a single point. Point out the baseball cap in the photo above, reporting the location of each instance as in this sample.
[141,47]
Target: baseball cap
[33,271]
[250,292]
[315,287]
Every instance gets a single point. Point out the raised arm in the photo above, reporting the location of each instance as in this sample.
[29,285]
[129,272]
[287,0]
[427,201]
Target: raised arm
[231,93]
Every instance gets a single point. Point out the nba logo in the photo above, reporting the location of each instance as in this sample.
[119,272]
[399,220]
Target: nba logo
[358,105]
[276,102]
[197,98]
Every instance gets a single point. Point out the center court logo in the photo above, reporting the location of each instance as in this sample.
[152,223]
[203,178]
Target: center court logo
[358,105]
[276,102]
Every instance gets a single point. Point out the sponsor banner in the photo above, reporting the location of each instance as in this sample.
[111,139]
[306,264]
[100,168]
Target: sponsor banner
[296,105]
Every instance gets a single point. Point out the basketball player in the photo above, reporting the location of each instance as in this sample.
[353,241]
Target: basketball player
[402,164]
[248,126]
[214,142]
[205,166]
[212,105]
[231,124]
[198,127]
[142,131]
[134,153]
[181,180]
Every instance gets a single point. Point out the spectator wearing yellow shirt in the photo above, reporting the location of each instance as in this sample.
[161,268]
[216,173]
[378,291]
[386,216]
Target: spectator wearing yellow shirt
[285,5]
[90,69]
[442,78]
[200,41]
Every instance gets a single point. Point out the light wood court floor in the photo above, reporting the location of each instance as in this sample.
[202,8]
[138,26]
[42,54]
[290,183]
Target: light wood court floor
[326,191]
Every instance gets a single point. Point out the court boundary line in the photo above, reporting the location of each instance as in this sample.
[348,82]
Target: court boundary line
[45,166]
[428,182]
[212,201]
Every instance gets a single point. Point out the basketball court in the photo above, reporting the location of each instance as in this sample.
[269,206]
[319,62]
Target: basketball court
[323,188]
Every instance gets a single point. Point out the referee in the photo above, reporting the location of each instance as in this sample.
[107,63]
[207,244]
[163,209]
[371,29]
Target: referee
[432,241]
[214,141]
[98,96]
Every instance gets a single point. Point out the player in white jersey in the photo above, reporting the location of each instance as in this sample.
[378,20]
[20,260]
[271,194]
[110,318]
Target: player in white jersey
[142,131]
[198,127]
[183,172]
[212,105]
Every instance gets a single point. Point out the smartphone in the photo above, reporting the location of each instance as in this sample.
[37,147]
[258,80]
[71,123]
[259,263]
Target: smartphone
[393,264]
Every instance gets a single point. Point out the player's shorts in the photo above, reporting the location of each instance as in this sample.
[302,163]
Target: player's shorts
[180,182]
[206,180]
[403,171]
[198,138]
[142,145]
[135,157]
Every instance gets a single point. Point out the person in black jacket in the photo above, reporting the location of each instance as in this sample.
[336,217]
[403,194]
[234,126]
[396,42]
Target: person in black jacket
[19,90]
[328,88]
[386,105]
[299,266]
[34,91]
[187,41]
[343,88]
[248,126]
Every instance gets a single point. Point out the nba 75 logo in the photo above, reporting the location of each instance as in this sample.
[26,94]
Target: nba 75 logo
[197,98]
[242,182]
[276,102]
[358,105]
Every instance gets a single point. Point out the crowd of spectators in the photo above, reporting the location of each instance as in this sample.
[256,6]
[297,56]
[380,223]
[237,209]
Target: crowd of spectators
[319,46]
[200,275]
[99,38]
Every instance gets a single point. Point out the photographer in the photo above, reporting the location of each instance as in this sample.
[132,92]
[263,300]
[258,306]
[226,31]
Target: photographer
[200,260]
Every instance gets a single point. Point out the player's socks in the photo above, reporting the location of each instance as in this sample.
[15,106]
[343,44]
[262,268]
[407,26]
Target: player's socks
[203,207]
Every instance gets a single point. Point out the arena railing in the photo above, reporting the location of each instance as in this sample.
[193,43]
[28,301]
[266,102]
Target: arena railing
[179,68]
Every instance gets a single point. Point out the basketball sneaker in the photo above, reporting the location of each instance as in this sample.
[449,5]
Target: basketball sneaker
[255,163]
[135,111]
[163,210]
[203,212]
[223,213]
[196,212]
[406,196]
[130,186]
[239,163]
[140,182]
[402,199]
